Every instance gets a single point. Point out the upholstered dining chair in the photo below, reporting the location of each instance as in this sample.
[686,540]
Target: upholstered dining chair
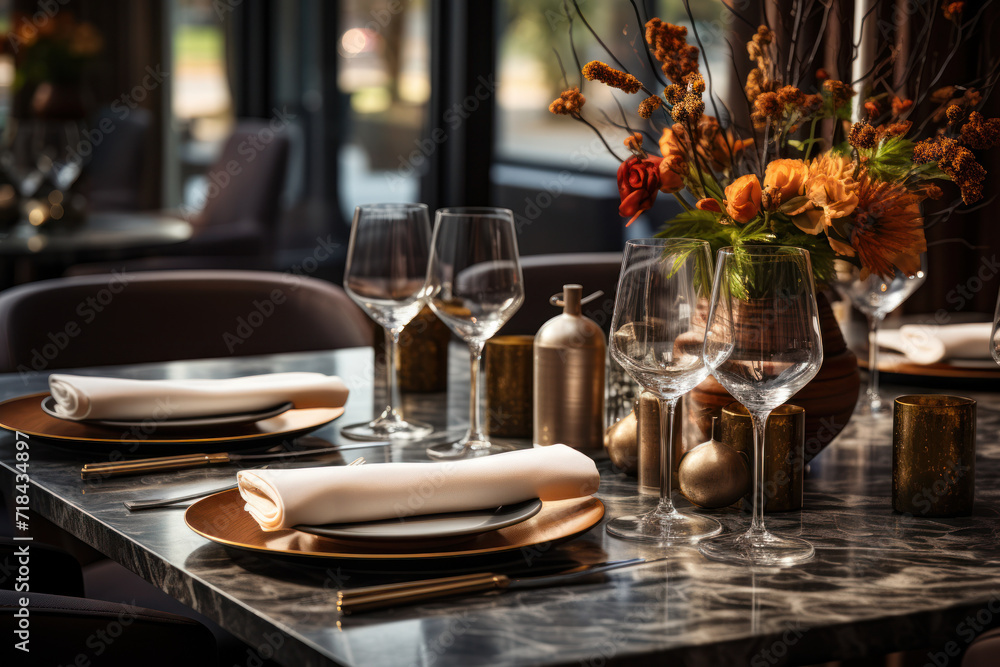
[237,226]
[545,275]
[126,318]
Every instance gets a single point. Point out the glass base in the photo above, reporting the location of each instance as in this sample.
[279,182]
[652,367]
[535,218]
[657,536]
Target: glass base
[664,527]
[876,408]
[387,429]
[466,449]
[757,548]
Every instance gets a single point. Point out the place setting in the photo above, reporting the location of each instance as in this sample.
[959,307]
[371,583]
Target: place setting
[147,417]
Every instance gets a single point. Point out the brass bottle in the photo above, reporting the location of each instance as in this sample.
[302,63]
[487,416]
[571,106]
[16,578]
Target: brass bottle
[569,377]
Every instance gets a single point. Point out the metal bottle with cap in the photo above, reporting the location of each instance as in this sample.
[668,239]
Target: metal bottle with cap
[569,356]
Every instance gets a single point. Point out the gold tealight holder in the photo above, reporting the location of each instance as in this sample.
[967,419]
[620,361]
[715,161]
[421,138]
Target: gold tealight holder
[784,452]
[934,455]
[509,390]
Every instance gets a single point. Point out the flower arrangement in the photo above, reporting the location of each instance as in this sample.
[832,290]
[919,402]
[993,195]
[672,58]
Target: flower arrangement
[50,49]
[853,192]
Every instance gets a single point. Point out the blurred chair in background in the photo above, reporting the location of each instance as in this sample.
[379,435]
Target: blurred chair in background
[545,275]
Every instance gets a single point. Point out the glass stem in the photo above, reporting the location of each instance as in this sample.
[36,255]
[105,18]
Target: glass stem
[873,323]
[667,407]
[759,421]
[391,350]
[476,434]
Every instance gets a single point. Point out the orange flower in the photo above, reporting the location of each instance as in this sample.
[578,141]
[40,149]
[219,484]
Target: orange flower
[638,185]
[830,191]
[836,197]
[673,142]
[888,230]
[743,198]
[708,204]
[671,174]
[784,179]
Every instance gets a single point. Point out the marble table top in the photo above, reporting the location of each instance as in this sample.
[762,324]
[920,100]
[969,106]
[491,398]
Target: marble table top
[880,581]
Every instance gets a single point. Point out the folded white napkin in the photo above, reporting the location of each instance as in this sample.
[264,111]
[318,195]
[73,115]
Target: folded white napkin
[930,343]
[280,499]
[83,397]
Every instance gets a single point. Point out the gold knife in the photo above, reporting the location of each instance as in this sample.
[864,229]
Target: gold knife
[370,598]
[104,469]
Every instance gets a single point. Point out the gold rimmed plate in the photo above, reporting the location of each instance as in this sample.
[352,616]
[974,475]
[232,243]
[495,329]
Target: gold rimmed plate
[25,414]
[222,519]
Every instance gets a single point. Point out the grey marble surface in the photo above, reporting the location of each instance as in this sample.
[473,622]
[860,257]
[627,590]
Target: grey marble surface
[880,581]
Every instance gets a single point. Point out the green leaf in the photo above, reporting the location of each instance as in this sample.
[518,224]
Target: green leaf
[891,160]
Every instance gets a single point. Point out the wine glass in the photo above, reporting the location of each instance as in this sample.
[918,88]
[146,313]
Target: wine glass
[763,344]
[876,297]
[474,285]
[657,332]
[386,267]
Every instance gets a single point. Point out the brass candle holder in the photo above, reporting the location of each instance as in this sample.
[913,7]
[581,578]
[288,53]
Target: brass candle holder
[784,455]
[509,386]
[934,455]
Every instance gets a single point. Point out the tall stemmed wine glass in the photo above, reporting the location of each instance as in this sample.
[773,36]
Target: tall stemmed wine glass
[474,284]
[762,344]
[657,332]
[386,268]
[876,297]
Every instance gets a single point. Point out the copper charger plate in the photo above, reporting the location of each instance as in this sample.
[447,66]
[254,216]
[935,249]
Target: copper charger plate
[222,519]
[25,414]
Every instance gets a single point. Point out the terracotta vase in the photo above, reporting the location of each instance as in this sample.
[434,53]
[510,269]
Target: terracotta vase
[828,399]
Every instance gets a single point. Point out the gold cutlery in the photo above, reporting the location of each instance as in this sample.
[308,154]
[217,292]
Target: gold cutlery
[105,469]
[370,598]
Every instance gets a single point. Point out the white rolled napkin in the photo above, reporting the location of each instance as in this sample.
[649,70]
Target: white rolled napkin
[931,343]
[280,499]
[84,397]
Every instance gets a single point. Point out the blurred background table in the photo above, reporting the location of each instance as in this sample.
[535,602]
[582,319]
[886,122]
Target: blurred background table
[31,253]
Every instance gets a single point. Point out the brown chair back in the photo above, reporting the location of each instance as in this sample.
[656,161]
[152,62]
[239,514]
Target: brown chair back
[128,318]
[545,275]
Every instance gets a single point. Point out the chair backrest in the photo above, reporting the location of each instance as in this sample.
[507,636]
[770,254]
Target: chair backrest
[245,183]
[125,318]
[113,178]
[545,275]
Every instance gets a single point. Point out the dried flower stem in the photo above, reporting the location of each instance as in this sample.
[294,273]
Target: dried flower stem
[649,56]
[708,72]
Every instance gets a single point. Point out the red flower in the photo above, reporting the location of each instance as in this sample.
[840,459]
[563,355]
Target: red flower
[708,204]
[638,185]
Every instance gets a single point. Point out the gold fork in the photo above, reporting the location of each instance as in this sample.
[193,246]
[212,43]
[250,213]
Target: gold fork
[154,503]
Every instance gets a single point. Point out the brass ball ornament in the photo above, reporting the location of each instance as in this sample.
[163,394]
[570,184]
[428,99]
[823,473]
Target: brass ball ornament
[713,475]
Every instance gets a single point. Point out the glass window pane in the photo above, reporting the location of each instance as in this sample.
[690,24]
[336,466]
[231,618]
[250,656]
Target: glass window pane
[530,75]
[384,81]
